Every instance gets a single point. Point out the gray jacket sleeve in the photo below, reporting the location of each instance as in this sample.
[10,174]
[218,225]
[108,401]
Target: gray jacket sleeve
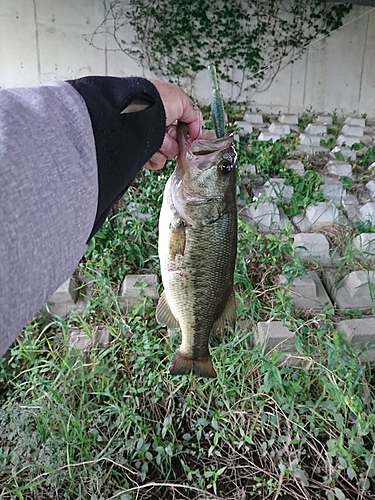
[48,197]
[67,154]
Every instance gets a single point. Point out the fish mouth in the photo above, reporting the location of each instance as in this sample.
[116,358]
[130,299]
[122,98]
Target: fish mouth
[203,151]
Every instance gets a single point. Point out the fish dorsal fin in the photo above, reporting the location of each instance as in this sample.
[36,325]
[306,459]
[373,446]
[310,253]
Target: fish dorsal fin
[228,315]
[164,314]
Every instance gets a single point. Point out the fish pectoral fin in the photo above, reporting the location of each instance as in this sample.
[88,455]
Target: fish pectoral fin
[177,240]
[183,365]
[164,314]
[228,315]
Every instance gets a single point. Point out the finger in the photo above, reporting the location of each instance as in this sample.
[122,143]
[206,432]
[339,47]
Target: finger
[170,147]
[156,162]
[179,106]
[171,130]
[192,116]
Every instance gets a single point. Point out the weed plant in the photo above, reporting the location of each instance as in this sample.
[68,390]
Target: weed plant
[112,423]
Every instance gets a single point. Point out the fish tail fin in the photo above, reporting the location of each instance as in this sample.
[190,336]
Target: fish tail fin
[182,365]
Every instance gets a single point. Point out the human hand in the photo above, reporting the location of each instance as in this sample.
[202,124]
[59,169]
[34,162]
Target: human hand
[178,106]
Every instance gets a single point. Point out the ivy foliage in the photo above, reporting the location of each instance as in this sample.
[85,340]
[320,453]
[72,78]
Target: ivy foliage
[249,41]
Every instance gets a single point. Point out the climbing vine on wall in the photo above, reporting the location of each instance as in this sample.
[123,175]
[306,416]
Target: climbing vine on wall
[248,40]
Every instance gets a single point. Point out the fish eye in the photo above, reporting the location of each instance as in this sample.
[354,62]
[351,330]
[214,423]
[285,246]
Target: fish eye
[226,167]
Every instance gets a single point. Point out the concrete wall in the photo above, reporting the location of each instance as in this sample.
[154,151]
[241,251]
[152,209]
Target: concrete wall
[42,40]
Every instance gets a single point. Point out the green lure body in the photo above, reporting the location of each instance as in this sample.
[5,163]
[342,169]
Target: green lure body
[217,103]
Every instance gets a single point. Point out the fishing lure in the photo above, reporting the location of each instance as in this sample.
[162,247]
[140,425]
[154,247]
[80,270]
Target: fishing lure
[217,103]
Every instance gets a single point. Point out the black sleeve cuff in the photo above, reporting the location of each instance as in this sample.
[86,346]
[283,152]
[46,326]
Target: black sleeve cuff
[124,142]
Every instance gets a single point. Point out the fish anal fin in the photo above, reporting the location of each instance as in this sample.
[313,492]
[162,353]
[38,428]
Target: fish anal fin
[177,240]
[164,314]
[183,365]
[228,315]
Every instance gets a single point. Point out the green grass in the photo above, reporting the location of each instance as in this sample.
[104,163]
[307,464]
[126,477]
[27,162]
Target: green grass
[112,423]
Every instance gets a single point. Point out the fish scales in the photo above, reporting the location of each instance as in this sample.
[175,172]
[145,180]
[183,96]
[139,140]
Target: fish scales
[200,282]
[197,249]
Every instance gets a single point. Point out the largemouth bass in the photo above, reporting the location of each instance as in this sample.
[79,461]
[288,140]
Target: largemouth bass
[197,248]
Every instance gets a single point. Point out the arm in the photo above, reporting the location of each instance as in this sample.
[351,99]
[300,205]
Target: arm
[67,153]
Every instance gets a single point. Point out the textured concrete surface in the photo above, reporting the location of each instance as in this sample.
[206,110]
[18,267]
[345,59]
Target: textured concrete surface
[274,335]
[289,119]
[80,340]
[253,118]
[65,300]
[245,127]
[279,128]
[136,287]
[312,247]
[355,290]
[365,244]
[316,129]
[361,332]
[339,168]
[308,292]
[317,216]
[268,136]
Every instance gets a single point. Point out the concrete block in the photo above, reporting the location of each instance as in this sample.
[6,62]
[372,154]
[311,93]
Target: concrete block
[67,292]
[349,200]
[324,120]
[137,286]
[309,139]
[365,244]
[368,141]
[295,165]
[332,190]
[357,283]
[265,216]
[276,188]
[316,216]
[79,339]
[367,212]
[352,130]
[254,118]
[274,335]
[315,129]
[101,336]
[356,121]
[308,292]
[347,153]
[352,291]
[351,210]
[288,119]
[279,128]
[322,214]
[311,246]
[360,332]
[370,186]
[339,168]
[348,140]
[244,127]
[65,300]
[268,136]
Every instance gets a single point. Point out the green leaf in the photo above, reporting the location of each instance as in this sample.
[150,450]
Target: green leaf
[357,146]
[203,422]
[339,494]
